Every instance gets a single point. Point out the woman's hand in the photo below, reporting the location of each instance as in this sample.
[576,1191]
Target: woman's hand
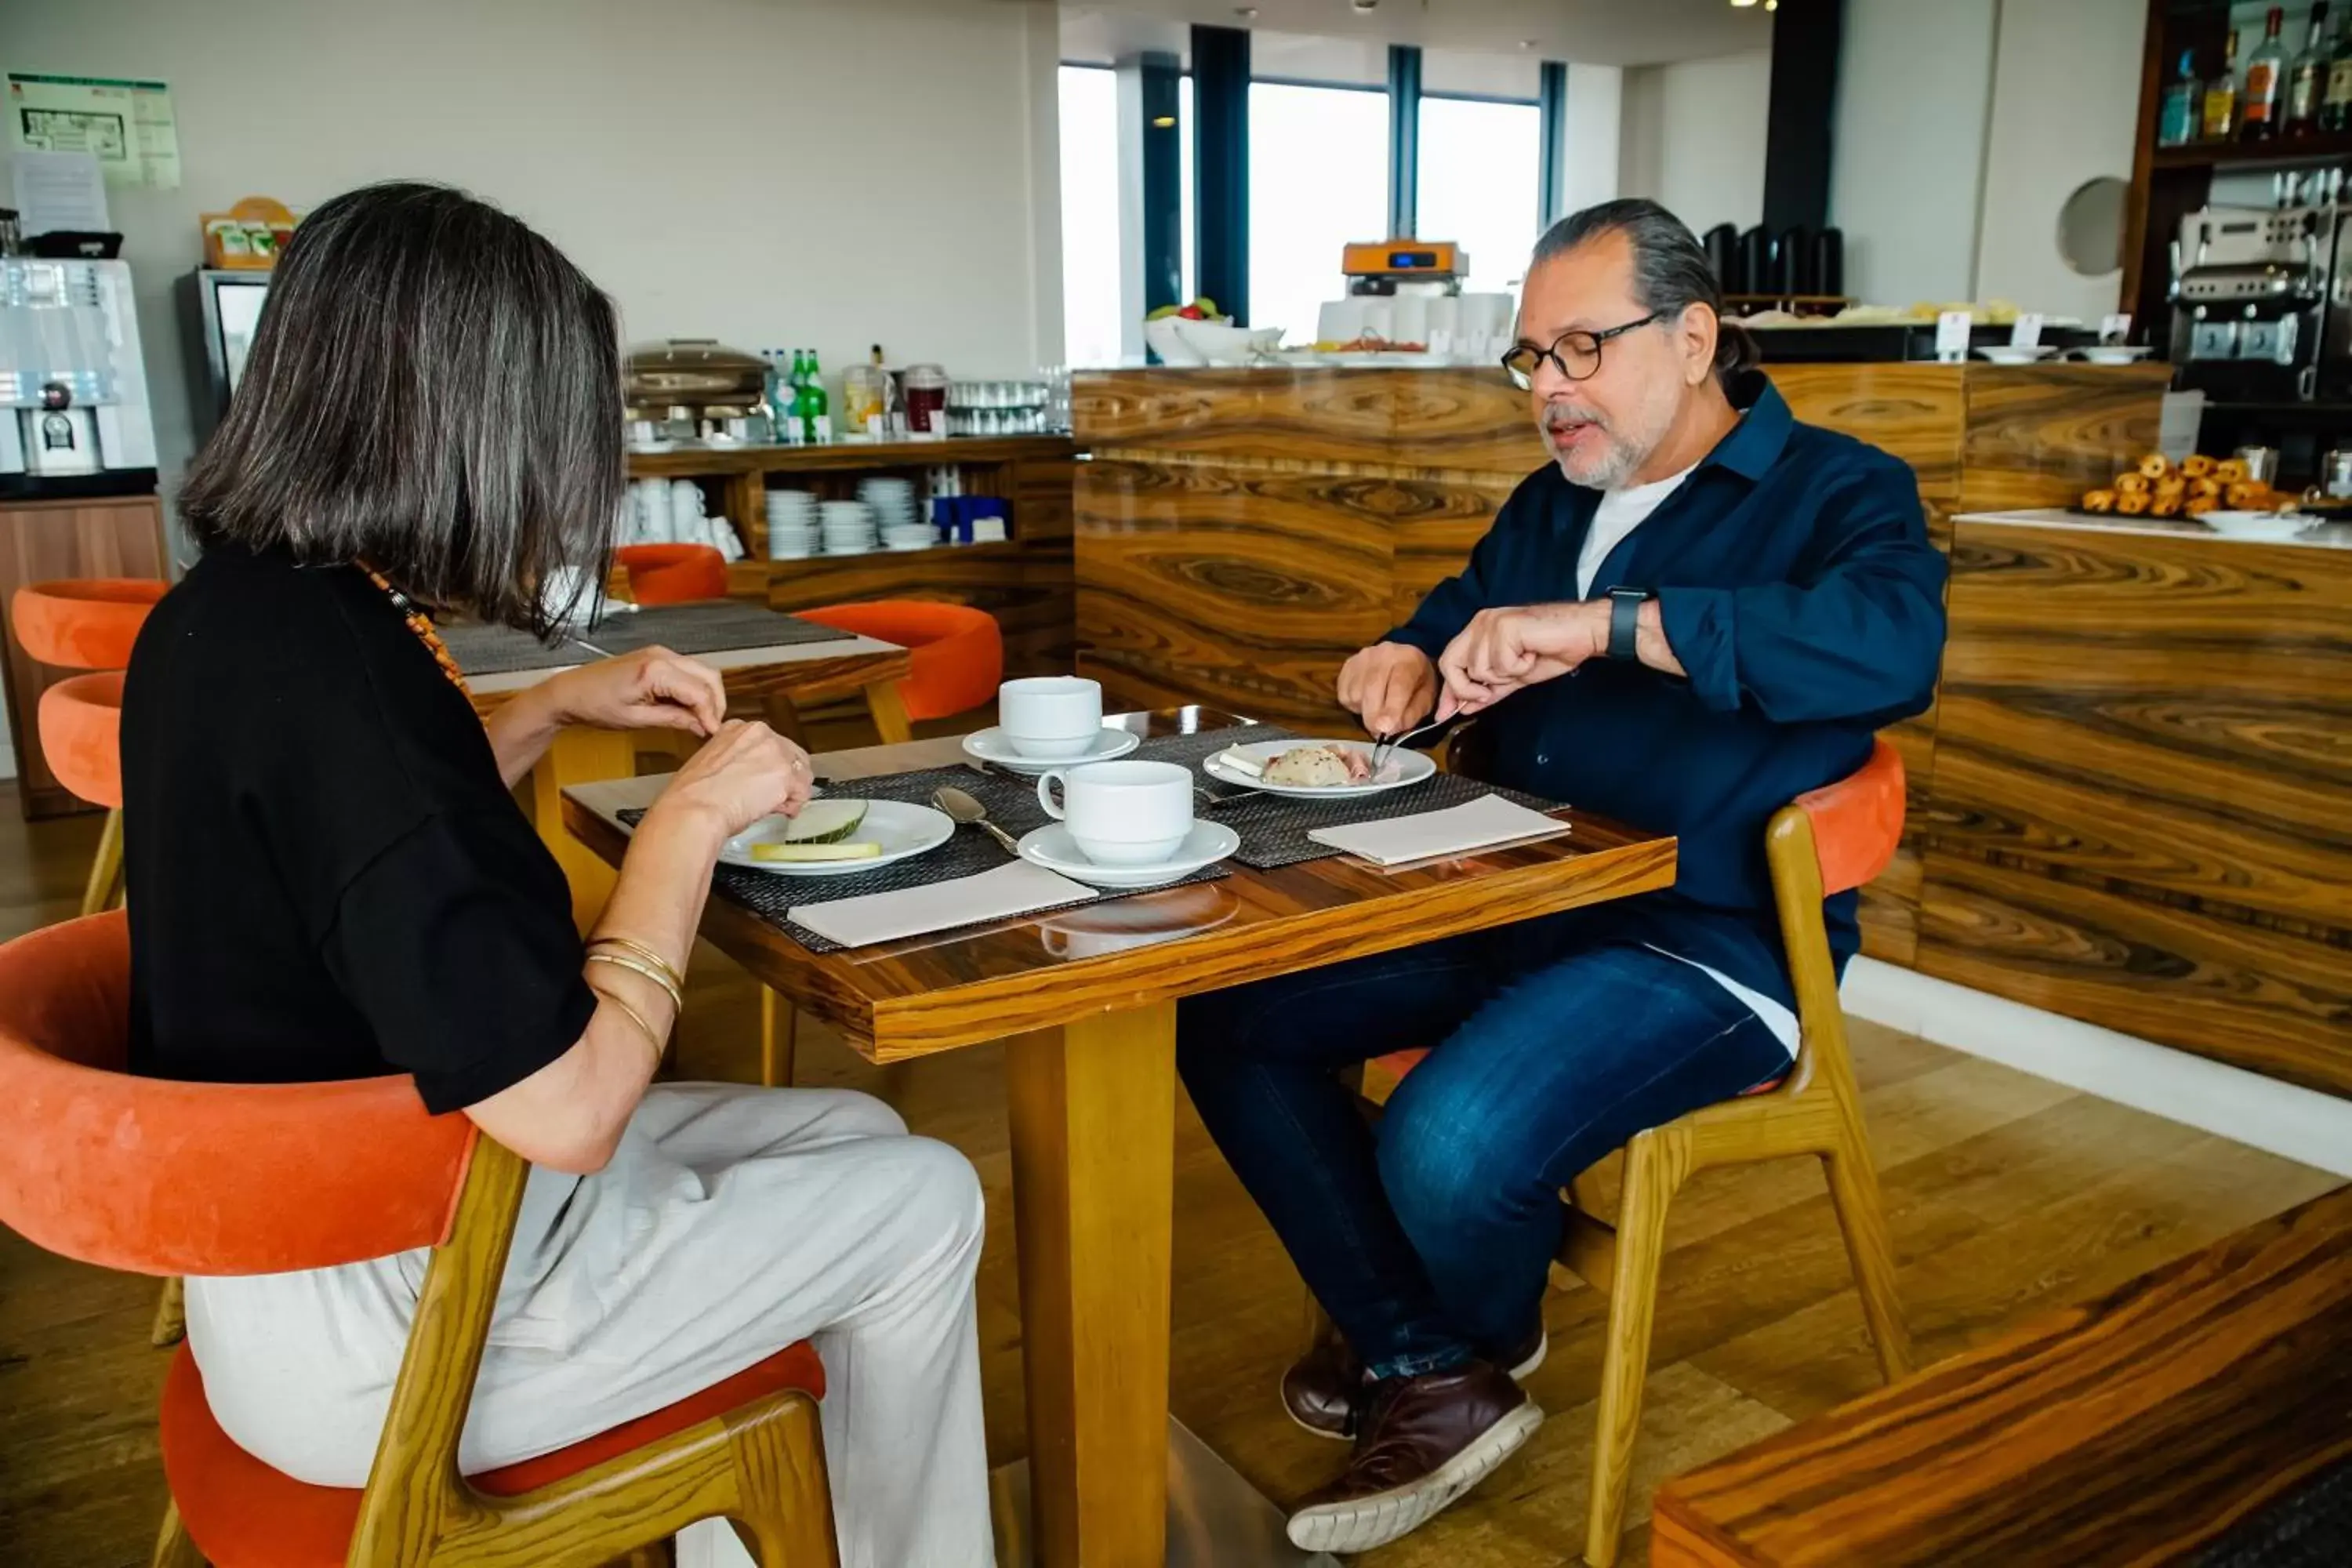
[650,690]
[746,772]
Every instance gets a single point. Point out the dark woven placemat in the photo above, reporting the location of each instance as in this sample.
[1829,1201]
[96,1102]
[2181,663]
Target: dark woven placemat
[502,650]
[1273,828]
[1012,802]
[2310,1526]
[713,627]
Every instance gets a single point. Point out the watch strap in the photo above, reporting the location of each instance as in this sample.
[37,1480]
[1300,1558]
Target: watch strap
[1624,621]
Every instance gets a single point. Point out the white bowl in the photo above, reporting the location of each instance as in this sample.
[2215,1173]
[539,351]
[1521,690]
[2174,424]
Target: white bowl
[1171,346]
[1220,344]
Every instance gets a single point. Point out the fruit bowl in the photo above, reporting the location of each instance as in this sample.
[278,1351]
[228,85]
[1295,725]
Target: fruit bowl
[1171,348]
[1220,343]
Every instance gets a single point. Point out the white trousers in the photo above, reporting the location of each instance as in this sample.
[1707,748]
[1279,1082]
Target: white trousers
[730,1223]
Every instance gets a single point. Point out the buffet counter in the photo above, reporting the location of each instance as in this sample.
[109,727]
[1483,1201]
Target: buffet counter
[2123,807]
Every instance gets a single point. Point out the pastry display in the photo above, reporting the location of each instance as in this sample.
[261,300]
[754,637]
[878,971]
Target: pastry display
[2156,487]
[2098,501]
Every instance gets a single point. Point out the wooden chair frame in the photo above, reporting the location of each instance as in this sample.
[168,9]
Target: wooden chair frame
[761,1465]
[1816,1111]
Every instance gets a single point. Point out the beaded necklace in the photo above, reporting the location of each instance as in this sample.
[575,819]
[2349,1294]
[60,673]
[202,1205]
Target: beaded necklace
[422,625]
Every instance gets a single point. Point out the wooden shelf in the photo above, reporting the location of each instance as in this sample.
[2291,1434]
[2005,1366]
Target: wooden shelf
[2325,147]
[841,457]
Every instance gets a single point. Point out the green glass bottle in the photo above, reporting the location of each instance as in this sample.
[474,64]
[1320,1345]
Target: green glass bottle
[815,408]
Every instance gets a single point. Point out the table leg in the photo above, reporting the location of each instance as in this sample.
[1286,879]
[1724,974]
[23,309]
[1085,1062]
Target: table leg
[579,756]
[889,713]
[1093,1112]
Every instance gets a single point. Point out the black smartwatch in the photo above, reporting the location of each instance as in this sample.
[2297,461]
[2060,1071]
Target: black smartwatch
[1624,621]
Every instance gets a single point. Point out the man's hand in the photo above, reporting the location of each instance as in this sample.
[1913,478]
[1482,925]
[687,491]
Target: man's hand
[1391,686]
[1501,650]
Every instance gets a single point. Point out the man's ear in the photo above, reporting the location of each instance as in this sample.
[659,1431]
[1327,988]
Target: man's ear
[1699,331]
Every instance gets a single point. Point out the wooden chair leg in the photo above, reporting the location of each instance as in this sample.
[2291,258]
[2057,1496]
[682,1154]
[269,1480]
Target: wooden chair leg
[105,882]
[171,1314]
[173,1547]
[1655,1166]
[660,1554]
[1862,1215]
[779,1032]
[787,1518]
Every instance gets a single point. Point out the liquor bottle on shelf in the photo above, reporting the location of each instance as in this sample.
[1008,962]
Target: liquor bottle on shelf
[2176,125]
[2335,98]
[815,409]
[2221,95]
[2257,101]
[2307,80]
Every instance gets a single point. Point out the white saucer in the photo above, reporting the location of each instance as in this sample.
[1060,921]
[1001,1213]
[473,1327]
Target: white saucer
[990,746]
[903,830]
[2271,525]
[1050,846]
[1400,767]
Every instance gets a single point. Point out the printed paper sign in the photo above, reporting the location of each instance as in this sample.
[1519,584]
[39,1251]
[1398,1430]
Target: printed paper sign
[126,125]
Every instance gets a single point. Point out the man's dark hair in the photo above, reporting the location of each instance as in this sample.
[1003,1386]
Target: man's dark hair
[435,390]
[1670,269]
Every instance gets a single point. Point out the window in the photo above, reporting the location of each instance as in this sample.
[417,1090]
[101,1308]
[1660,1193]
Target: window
[1318,178]
[1480,167]
[1092,312]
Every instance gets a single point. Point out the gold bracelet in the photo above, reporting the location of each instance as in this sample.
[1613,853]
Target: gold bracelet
[630,944]
[623,961]
[660,1044]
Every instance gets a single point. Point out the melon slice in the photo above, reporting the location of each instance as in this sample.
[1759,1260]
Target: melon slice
[797,851]
[826,821]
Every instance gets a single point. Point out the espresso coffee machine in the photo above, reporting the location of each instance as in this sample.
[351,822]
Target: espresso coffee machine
[74,417]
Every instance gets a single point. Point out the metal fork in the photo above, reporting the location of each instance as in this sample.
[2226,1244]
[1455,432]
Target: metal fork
[1384,746]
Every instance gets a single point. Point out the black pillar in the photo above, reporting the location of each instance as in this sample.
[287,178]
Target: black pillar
[1552,108]
[1163,194]
[1796,149]
[1221,84]
[1404,141]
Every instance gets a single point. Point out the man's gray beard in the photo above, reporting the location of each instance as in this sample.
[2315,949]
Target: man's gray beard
[1612,471]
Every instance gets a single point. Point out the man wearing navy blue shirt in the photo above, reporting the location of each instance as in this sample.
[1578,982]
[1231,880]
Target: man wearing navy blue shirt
[1699,611]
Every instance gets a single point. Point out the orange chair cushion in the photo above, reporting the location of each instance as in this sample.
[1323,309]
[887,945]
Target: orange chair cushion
[958,652]
[673,574]
[242,1514]
[83,623]
[1858,821]
[80,720]
[158,1177]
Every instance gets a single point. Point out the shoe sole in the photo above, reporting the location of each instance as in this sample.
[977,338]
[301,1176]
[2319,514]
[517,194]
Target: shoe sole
[1519,1374]
[1375,1520]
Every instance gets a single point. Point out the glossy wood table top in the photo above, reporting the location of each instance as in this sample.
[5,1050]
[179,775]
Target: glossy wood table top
[2132,1429]
[933,993]
[806,672]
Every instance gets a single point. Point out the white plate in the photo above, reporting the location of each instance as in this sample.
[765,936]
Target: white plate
[904,831]
[2257,524]
[2016,353]
[1401,767]
[1051,846]
[990,746]
[2113,353]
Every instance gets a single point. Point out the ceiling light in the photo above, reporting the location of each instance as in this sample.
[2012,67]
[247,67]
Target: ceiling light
[1246,13]
[1742,4]
[1164,122]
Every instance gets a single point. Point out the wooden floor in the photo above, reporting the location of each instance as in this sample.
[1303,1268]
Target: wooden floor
[2007,1194]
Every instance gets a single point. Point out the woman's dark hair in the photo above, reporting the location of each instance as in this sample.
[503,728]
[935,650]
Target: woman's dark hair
[1670,269]
[436,390]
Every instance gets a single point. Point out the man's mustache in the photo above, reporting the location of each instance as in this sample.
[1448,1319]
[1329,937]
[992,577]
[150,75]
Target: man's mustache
[1558,416]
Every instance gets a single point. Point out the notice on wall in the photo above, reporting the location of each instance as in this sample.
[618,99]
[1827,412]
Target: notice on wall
[126,125]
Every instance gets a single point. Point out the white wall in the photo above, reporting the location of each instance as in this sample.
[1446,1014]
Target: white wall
[1693,137]
[1915,81]
[769,172]
[2065,101]
[1593,135]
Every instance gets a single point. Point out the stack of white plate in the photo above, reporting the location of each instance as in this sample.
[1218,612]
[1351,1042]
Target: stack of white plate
[792,525]
[893,501]
[847,527]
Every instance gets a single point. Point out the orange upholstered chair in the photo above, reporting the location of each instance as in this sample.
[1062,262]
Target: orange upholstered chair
[958,652]
[673,574]
[161,1177]
[84,622]
[1828,841]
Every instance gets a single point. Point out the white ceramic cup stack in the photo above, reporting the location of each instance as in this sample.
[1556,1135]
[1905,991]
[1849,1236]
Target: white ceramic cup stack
[650,513]
[1052,717]
[792,525]
[847,527]
[892,500]
[1122,814]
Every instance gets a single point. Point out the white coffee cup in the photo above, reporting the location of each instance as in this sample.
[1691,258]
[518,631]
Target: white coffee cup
[1052,718]
[1122,814]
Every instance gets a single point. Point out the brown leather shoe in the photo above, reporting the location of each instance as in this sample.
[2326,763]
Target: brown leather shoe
[1321,1388]
[1424,1441]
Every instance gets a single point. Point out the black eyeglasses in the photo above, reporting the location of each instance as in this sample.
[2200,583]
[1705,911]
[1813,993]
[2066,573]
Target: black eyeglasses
[1577,354]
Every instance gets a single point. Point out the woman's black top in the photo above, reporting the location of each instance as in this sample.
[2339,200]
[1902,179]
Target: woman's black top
[326,876]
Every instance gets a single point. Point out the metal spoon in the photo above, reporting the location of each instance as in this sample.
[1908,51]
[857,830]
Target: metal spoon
[966,810]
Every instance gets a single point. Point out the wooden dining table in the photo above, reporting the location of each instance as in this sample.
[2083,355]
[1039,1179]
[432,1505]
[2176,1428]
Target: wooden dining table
[759,674]
[1086,1008]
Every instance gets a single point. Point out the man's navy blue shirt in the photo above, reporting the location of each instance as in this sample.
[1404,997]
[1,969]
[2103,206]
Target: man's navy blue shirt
[1797,587]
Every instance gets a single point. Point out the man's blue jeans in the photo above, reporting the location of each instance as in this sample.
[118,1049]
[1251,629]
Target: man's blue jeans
[1427,1240]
